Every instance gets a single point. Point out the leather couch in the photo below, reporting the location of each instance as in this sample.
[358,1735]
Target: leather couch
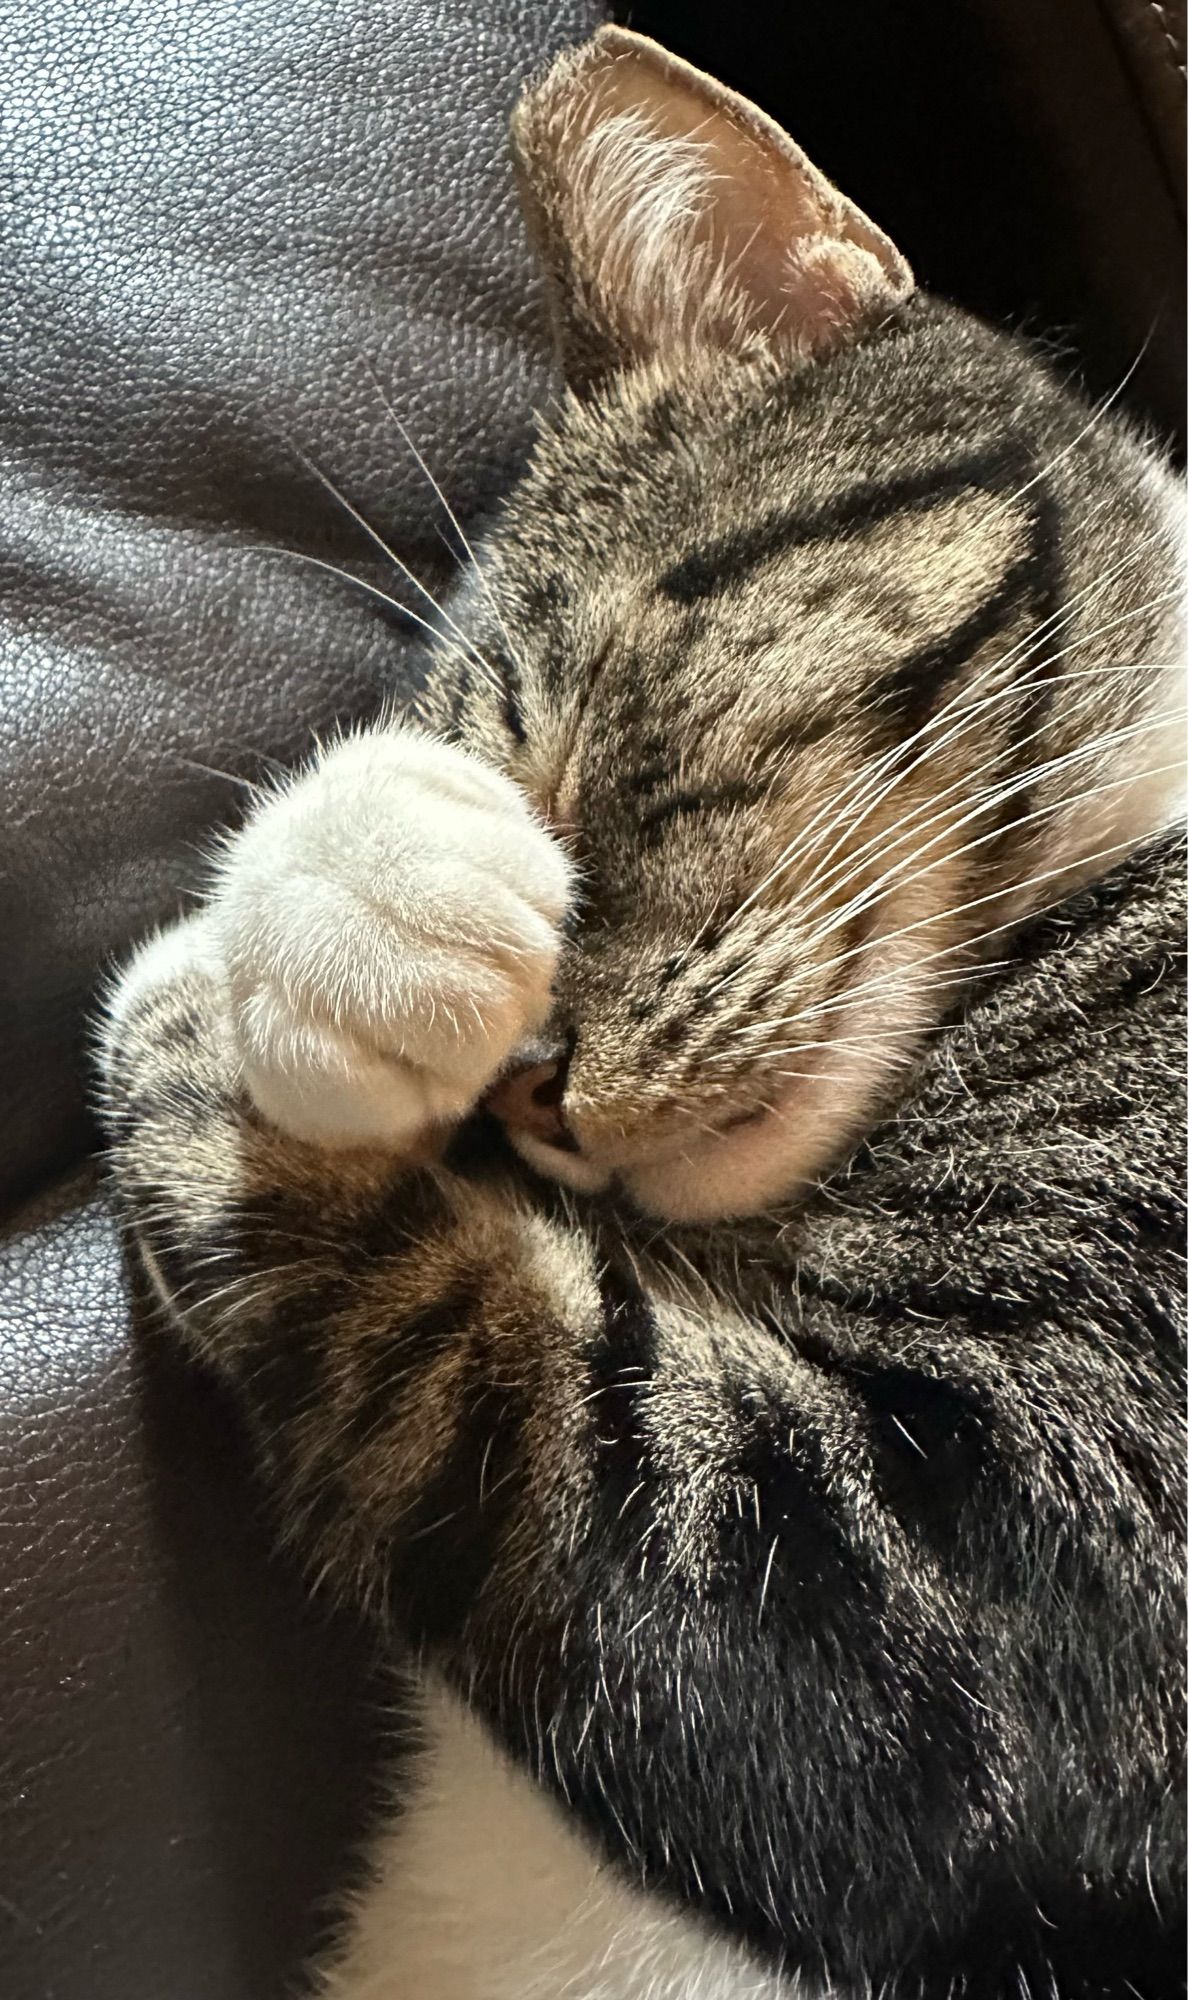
[234,238]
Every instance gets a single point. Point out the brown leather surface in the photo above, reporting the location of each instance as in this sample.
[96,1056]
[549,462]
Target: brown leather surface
[1152,40]
[188,1751]
[224,219]
[1098,87]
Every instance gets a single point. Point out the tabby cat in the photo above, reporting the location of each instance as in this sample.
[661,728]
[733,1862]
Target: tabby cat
[694,1235]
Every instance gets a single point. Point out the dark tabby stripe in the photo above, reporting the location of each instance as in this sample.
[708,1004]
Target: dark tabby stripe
[691,804]
[914,689]
[512,692]
[622,1366]
[713,568]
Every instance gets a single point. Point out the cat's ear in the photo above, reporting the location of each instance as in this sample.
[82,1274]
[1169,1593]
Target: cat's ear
[670,212]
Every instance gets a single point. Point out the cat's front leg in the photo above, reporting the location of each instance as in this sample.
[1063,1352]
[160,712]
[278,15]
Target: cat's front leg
[382,934]
[387,926]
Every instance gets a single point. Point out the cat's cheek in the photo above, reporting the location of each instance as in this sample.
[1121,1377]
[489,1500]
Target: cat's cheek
[733,1175]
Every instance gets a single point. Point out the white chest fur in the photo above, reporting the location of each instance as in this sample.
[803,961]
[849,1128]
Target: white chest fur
[484,1890]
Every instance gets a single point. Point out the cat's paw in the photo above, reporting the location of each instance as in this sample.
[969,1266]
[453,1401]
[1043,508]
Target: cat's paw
[388,931]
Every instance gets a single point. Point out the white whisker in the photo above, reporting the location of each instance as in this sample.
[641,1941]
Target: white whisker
[400,565]
[451,516]
[800,847]
[822,884]
[988,801]
[985,799]
[964,944]
[1096,416]
[335,569]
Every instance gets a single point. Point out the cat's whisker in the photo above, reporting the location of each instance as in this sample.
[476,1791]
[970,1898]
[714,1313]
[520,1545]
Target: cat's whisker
[921,818]
[788,1075]
[213,771]
[780,1071]
[887,983]
[362,583]
[1097,415]
[451,516]
[335,569]
[893,983]
[908,972]
[400,565]
[967,714]
[905,980]
[985,798]
[275,768]
[988,801]
[820,887]
[906,1034]
[902,978]
[859,1038]
[898,1049]
[800,848]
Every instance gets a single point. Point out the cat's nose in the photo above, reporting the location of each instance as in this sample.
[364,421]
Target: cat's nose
[529,1099]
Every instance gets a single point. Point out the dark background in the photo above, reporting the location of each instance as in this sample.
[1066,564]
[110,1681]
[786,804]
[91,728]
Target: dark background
[1000,143]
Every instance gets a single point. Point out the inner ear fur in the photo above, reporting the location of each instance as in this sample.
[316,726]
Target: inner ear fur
[670,212]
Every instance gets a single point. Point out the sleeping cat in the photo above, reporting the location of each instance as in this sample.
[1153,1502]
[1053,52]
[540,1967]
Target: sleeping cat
[790,1547]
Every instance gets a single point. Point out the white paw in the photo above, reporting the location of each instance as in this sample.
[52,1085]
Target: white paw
[388,930]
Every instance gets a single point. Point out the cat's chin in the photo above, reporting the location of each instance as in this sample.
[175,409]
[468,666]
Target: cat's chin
[737,1173]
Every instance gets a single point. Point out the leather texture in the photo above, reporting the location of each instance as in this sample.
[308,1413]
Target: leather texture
[1152,40]
[1097,87]
[218,226]
[188,1753]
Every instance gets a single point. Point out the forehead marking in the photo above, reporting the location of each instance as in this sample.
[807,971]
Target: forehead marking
[709,570]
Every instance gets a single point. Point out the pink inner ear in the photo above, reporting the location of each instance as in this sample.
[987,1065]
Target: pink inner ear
[831,286]
[805,264]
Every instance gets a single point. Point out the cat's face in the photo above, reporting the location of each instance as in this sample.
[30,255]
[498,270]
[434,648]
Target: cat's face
[779,635]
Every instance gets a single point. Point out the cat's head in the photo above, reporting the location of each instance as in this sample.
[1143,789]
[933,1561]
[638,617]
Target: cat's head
[828,632]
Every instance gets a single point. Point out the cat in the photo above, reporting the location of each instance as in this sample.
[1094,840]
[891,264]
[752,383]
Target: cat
[673,1142]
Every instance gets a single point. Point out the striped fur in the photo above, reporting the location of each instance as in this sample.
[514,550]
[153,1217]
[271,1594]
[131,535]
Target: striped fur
[773,1453]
